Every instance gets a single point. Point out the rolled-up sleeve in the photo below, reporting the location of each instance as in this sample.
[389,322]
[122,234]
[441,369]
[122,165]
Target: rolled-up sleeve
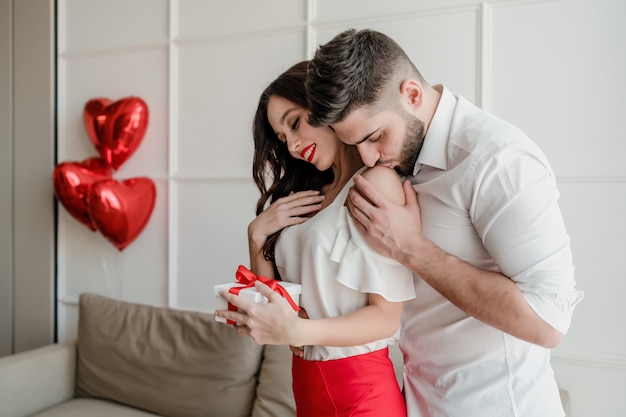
[522,227]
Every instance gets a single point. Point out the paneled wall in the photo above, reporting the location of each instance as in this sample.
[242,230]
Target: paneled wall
[552,67]
[200,74]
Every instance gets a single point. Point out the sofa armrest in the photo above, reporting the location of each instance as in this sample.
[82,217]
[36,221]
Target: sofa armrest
[34,380]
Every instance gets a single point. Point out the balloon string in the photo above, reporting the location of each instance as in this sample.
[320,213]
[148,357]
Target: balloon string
[112,275]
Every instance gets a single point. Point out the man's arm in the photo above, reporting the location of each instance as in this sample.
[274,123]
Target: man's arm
[488,296]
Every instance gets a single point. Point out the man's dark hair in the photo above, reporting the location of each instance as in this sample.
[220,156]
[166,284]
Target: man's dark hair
[353,69]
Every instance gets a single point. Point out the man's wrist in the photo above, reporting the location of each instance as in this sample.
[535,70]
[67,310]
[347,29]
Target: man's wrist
[422,256]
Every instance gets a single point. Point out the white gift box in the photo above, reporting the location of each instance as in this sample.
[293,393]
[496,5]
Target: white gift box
[252,294]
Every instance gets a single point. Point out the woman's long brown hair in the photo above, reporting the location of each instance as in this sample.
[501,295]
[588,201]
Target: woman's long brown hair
[275,172]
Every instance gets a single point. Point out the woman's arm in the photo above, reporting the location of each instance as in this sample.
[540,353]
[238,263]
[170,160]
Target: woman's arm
[276,323]
[378,320]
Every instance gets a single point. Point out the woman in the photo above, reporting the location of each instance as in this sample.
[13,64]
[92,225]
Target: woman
[352,295]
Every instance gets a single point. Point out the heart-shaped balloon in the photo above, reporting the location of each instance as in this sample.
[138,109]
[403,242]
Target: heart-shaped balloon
[121,210]
[72,180]
[116,128]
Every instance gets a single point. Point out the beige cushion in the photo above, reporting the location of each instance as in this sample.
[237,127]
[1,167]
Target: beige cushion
[170,362]
[274,392]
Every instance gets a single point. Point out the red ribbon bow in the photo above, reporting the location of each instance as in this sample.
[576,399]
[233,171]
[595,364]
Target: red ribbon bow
[247,277]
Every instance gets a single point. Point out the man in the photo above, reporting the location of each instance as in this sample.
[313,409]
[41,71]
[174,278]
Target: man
[484,235]
[494,274]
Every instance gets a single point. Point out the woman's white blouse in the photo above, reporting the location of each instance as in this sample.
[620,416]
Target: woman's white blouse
[337,270]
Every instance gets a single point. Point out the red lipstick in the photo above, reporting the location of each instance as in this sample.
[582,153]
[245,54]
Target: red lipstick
[308,153]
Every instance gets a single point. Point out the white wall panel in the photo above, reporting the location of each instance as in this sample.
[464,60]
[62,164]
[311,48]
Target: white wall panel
[88,262]
[558,74]
[115,76]
[212,223]
[594,390]
[67,319]
[219,84]
[595,347]
[594,213]
[332,10]
[201,18]
[90,25]
[452,60]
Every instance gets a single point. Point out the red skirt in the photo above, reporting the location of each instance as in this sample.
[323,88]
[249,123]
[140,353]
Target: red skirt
[363,385]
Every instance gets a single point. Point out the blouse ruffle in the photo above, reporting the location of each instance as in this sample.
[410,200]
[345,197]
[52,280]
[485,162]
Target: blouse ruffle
[376,274]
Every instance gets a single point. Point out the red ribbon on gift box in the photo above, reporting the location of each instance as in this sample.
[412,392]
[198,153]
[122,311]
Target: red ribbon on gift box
[247,277]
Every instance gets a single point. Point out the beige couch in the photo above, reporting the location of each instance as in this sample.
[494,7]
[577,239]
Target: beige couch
[133,360]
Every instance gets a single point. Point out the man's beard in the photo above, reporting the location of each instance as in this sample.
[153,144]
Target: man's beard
[413,142]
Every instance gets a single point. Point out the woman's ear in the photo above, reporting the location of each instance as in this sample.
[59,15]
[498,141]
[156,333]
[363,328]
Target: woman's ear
[412,94]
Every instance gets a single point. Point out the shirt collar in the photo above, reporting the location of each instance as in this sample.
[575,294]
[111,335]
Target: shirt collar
[433,151]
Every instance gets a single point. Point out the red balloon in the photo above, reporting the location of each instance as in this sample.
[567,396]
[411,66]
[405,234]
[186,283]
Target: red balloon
[120,210]
[71,182]
[116,128]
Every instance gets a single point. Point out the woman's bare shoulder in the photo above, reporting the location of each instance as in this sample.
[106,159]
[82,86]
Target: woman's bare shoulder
[387,182]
